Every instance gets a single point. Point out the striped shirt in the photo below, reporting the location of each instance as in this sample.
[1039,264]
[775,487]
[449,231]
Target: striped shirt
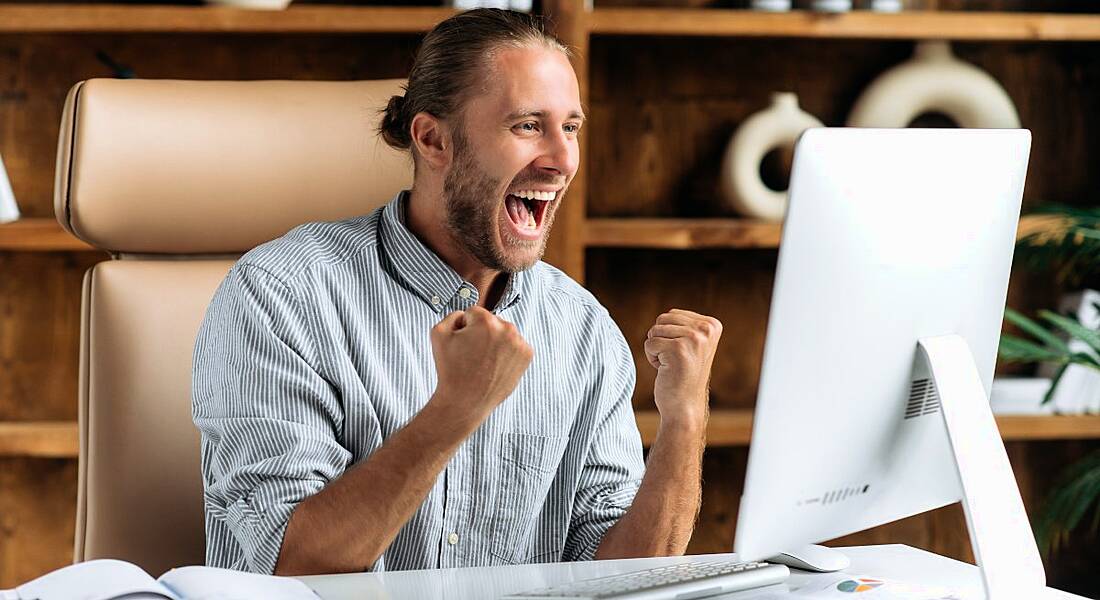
[315,349]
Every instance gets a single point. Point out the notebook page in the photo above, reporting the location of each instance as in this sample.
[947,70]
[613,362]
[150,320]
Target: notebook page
[210,583]
[103,579]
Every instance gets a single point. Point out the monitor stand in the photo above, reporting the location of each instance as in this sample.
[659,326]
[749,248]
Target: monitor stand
[1000,534]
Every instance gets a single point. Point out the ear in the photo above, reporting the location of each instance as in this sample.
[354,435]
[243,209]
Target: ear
[432,140]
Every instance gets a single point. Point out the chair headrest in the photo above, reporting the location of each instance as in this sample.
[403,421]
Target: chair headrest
[217,167]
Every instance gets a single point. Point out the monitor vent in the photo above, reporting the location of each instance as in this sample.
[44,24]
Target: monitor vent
[923,399]
[837,495]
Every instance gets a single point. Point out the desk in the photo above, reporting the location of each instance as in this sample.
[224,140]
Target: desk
[485,583]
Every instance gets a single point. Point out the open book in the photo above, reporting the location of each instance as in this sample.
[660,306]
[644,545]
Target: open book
[108,579]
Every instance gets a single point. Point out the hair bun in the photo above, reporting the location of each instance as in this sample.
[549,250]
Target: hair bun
[395,104]
[394,126]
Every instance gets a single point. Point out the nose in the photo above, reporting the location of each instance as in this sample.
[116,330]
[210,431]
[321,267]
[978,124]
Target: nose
[560,154]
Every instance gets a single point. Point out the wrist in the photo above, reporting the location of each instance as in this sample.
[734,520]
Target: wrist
[690,423]
[451,413]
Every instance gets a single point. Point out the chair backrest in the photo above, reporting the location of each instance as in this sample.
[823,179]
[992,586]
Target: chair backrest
[176,179]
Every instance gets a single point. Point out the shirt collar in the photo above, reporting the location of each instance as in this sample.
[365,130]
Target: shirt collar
[433,280]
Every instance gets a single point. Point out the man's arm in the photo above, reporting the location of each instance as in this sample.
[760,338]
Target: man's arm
[660,521]
[349,524]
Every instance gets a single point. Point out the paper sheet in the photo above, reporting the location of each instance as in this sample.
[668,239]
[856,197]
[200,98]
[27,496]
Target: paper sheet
[209,583]
[95,580]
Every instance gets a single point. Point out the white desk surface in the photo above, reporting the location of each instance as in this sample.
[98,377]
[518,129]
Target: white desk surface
[894,562]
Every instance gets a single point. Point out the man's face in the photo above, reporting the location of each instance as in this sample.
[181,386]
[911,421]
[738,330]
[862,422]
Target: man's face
[515,153]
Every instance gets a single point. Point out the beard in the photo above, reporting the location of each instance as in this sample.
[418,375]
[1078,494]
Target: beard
[473,199]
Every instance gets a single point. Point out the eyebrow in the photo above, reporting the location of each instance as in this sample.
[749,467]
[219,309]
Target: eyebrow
[519,114]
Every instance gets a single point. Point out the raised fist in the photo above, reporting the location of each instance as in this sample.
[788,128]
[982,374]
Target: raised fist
[479,359]
[681,347]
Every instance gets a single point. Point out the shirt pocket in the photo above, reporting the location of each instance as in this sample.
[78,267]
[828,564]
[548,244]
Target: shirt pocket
[526,526]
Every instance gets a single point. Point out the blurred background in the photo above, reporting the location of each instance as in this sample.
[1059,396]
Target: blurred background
[678,92]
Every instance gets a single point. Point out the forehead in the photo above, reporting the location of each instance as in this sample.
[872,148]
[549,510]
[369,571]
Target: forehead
[527,79]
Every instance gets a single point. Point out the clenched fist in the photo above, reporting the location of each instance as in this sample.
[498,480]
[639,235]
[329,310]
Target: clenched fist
[479,359]
[681,347]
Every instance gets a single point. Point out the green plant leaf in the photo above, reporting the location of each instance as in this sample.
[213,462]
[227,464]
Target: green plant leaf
[1036,330]
[1074,328]
[1086,359]
[1014,349]
[1066,243]
[1077,491]
[1047,397]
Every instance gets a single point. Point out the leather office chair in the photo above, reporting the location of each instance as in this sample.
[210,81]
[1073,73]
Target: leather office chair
[176,179]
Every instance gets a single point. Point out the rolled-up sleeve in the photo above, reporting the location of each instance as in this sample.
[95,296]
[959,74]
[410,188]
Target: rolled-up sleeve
[269,419]
[614,466]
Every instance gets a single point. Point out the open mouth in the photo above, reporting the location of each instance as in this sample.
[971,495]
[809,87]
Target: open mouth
[527,209]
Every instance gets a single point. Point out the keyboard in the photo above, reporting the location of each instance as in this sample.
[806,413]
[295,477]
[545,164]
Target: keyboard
[679,582]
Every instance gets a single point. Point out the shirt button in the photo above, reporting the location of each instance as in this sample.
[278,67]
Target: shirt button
[464,292]
[452,539]
[436,300]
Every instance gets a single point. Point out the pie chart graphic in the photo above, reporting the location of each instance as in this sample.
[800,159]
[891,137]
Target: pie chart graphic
[855,586]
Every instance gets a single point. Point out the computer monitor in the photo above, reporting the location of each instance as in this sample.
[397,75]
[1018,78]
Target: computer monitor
[881,342]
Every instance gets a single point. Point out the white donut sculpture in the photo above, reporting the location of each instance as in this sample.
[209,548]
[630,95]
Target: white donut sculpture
[777,126]
[935,81]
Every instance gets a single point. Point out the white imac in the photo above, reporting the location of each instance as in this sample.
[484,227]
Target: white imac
[885,317]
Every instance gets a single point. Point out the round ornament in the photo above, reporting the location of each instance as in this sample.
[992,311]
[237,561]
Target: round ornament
[777,126]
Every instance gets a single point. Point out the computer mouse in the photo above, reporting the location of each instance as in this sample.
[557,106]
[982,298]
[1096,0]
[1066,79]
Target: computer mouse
[812,558]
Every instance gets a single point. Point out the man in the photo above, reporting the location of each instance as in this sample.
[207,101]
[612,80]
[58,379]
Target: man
[413,388]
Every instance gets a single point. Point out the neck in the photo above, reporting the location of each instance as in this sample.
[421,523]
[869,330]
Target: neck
[422,211]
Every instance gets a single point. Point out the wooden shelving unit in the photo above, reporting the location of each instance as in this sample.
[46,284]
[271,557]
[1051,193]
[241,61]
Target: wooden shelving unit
[977,25]
[659,50]
[40,439]
[734,427]
[108,18]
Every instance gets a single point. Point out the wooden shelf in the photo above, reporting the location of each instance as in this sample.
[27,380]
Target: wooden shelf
[734,427]
[59,439]
[973,25]
[42,439]
[119,18]
[726,427]
[1019,428]
[45,235]
[691,234]
[681,234]
[38,235]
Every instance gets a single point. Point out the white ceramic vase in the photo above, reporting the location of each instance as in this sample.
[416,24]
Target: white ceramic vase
[777,126]
[9,211]
[935,81]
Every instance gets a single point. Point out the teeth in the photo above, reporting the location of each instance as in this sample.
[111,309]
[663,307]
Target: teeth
[535,195]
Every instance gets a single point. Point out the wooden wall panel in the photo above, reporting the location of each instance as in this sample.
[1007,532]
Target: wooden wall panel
[37,517]
[667,128]
[733,286]
[40,333]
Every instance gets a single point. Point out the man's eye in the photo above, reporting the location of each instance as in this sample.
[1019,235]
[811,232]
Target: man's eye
[528,126]
[572,128]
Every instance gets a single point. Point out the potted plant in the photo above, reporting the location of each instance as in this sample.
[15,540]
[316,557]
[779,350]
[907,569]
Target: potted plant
[1066,241]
